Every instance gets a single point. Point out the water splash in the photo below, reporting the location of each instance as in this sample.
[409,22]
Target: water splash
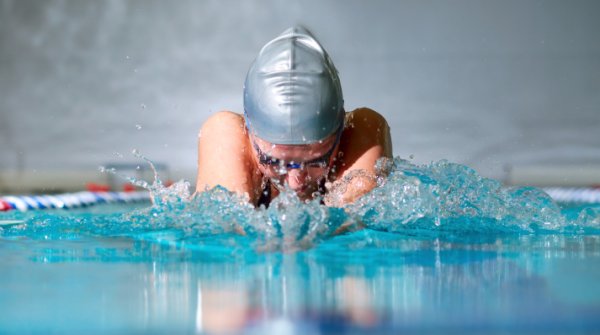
[454,197]
[441,198]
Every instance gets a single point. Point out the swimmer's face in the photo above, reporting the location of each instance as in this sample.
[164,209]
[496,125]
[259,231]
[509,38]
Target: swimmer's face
[300,166]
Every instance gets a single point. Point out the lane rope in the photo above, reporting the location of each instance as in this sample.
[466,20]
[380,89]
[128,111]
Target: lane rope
[82,199]
[69,200]
[574,194]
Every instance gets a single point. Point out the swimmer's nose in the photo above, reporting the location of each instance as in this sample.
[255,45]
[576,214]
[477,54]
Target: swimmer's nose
[296,178]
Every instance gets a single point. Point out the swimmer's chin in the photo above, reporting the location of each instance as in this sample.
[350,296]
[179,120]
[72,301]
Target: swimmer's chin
[307,194]
[303,193]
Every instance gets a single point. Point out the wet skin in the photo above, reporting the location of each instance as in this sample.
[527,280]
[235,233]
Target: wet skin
[227,157]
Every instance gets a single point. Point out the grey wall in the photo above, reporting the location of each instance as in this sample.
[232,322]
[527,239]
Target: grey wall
[486,83]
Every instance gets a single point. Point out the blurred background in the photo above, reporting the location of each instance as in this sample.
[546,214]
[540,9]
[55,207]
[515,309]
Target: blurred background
[510,88]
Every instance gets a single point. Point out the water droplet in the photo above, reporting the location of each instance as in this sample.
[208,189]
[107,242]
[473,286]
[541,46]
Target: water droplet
[138,127]
[411,156]
[118,154]
[143,106]
[127,57]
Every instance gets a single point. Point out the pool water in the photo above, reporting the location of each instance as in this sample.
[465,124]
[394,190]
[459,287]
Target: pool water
[434,249]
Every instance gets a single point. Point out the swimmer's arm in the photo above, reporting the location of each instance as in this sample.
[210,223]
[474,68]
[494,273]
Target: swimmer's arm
[223,156]
[366,139]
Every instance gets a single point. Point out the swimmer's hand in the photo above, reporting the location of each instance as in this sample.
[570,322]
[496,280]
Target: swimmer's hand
[349,188]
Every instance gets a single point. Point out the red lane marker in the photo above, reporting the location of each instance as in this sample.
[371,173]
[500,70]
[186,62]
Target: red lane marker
[4,206]
[93,187]
[128,187]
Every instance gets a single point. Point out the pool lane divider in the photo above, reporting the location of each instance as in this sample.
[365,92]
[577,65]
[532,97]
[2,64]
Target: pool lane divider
[69,200]
[83,199]
[574,194]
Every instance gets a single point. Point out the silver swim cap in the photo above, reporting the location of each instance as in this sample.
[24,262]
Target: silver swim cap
[292,93]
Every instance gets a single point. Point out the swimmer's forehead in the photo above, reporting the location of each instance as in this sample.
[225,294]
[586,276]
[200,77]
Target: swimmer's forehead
[300,152]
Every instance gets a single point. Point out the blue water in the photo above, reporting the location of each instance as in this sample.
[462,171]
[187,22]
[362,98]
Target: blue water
[434,249]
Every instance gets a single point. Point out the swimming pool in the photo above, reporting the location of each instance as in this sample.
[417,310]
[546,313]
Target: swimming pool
[443,251]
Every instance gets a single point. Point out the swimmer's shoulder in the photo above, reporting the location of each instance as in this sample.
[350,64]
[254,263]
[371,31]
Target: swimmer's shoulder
[366,138]
[224,155]
[364,117]
[225,125]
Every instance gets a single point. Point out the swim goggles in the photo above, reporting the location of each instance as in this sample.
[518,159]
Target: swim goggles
[319,162]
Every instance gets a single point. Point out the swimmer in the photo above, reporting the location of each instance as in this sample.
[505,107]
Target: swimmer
[294,131]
